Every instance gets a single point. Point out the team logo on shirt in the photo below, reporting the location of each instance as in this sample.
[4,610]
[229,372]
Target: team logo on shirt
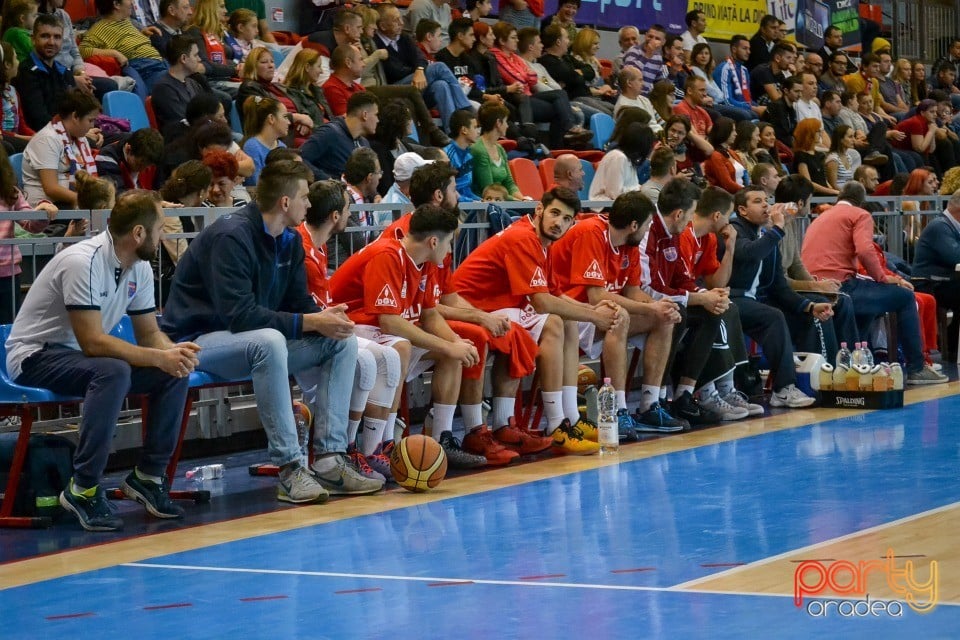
[538,280]
[625,262]
[670,253]
[423,283]
[593,272]
[131,290]
[386,298]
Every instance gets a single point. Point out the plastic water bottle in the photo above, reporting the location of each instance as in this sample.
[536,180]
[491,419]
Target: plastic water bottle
[867,354]
[609,435]
[843,356]
[856,357]
[206,472]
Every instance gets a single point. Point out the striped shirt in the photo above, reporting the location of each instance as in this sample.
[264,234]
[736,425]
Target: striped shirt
[119,35]
[652,68]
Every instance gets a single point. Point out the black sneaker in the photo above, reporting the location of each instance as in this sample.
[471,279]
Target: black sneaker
[94,514]
[457,458]
[154,497]
[688,408]
[656,419]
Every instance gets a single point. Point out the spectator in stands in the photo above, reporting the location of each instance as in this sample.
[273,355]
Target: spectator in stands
[647,57]
[935,264]
[952,57]
[832,78]
[924,183]
[832,41]
[893,99]
[187,186]
[178,86]
[246,328]
[258,73]
[301,86]
[574,78]
[483,61]
[763,41]
[346,67]
[392,139]
[60,149]
[617,171]
[835,243]
[565,18]
[327,150]
[920,131]
[944,79]
[435,10]
[867,80]
[830,106]
[131,161]
[627,37]
[265,124]
[808,106]
[568,173]
[583,54]
[208,27]
[782,113]
[241,35]
[457,56]
[663,168]
[733,77]
[675,62]
[16,131]
[115,36]
[918,82]
[813,63]
[175,15]
[780,153]
[60,342]
[225,177]
[476,9]
[747,146]
[696,22]
[701,65]
[631,82]
[466,131]
[765,176]
[724,168]
[842,160]
[11,199]
[767,79]
[260,9]
[808,160]
[674,136]
[529,50]
[18,19]
[489,158]
[695,92]
[902,74]
[399,192]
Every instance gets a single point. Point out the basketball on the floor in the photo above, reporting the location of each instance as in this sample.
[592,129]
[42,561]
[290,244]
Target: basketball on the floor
[418,463]
[586,378]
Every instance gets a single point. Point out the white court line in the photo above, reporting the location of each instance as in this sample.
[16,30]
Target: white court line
[686,586]
[510,583]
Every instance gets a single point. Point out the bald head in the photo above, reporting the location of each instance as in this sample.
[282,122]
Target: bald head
[568,172]
[631,81]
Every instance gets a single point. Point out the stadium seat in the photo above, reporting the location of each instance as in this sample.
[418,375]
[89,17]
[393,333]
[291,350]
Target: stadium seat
[16,161]
[123,104]
[602,126]
[527,178]
[588,173]
[546,171]
[151,116]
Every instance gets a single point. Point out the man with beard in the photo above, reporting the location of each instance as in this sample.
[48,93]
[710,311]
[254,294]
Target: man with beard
[61,341]
[599,259]
[509,274]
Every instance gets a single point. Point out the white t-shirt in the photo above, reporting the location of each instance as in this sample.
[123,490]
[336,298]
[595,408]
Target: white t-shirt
[642,102]
[44,151]
[84,276]
[688,41]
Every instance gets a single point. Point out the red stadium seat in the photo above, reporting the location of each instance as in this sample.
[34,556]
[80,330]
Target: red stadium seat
[546,171]
[527,178]
[151,116]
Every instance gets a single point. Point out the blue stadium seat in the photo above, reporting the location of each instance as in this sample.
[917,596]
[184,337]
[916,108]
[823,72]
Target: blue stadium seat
[602,126]
[588,172]
[16,161]
[123,104]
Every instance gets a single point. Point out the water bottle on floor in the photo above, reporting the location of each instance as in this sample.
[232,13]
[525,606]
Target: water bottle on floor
[867,354]
[609,435]
[843,356]
[206,472]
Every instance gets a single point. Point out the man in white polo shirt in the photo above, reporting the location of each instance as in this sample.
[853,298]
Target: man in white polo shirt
[60,341]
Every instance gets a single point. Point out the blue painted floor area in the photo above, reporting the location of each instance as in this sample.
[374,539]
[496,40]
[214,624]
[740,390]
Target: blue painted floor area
[626,529]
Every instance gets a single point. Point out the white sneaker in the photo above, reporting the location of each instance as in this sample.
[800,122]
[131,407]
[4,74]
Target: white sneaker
[790,397]
[298,486]
[722,408]
[739,399]
[339,478]
[926,376]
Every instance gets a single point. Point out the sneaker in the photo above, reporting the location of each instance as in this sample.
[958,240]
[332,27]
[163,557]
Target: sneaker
[926,376]
[726,411]
[154,497]
[341,479]
[875,159]
[626,426]
[361,463]
[739,399]
[589,428]
[299,486]
[569,438]
[656,419]
[457,456]
[690,409]
[520,441]
[480,443]
[379,460]
[790,397]
[94,514]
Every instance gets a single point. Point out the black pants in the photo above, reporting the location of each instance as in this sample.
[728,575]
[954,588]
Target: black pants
[701,349]
[9,298]
[768,326]
[547,106]
[841,328]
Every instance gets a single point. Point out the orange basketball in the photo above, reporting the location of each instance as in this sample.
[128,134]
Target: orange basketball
[586,377]
[418,463]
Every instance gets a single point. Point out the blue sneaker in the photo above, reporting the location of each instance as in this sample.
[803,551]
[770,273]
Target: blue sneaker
[627,426]
[94,514]
[657,420]
[154,497]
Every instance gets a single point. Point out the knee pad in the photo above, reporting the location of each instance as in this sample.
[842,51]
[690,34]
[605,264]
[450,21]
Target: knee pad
[388,366]
[366,374]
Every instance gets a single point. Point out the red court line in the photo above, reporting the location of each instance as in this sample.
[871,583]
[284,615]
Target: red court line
[715,565]
[259,598]
[637,570]
[67,616]
[450,584]
[544,577]
[176,605]
[358,590]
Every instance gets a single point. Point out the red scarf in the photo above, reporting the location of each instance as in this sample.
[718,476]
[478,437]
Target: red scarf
[77,150]
[742,77]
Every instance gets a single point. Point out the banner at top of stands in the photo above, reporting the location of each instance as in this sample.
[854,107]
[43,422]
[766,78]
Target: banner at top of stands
[613,14]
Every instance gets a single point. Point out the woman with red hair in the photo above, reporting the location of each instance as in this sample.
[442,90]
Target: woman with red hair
[807,160]
[225,177]
[922,182]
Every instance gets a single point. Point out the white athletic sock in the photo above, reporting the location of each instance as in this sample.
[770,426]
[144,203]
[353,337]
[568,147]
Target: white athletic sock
[442,419]
[570,409]
[371,435]
[725,384]
[388,431]
[621,399]
[352,427]
[663,394]
[502,411]
[649,394]
[683,388]
[472,415]
[552,409]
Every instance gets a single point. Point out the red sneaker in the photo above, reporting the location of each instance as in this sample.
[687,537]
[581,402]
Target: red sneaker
[520,441]
[480,442]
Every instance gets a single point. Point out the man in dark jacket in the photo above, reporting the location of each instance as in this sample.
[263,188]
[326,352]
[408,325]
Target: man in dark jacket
[782,113]
[131,161]
[252,315]
[327,150]
[935,264]
[760,289]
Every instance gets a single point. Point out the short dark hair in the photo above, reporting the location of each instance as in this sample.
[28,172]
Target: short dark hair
[794,188]
[691,16]
[945,66]
[338,59]
[105,7]
[792,82]
[657,27]
[692,80]
[279,179]
[526,36]
[187,179]
[489,113]
[77,103]
[630,207]
[458,27]
[661,161]
[360,164]
[430,220]
[164,7]
[768,20]
[714,199]
[561,194]
[868,60]
[459,119]
[550,35]
[344,15]
[326,196]
[279,153]
[134,207]
[202,105]
[472,4]
[760,170]
[721,131]
[679,193]
[853,192]
[46,20]
[636,142]
[146,144]
[428,179]
[740,197]
[425,27]
[836,55]
[211,132]
[828,95]
[782,48]
[180,45]
[360,101]
[670,39]
[829,30]
[737,39]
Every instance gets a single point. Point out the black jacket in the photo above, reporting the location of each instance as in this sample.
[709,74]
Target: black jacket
[938,250]
[784,120]
[402,61]
[41,88]
[754,252]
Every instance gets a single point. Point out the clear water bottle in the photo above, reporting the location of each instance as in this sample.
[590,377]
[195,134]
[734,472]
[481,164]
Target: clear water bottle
[609,433]
[843,356]
[867,354]
[856,357]
[206,472]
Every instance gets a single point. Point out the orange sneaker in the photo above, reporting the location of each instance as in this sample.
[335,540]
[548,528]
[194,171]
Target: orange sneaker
[521,441]
[480,442]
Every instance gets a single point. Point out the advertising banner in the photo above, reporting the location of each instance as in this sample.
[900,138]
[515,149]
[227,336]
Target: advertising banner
[726,19]
[613,14]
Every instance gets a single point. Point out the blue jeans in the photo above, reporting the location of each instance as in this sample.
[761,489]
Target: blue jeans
[443,91]
[872,299]
[323,367]
[103,383]
[149,70]
[519,19]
